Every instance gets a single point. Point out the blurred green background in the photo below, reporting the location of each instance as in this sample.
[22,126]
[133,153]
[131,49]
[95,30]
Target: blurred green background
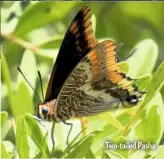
[31,35]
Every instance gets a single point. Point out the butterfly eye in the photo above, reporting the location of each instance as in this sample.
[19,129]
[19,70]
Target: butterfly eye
[45,110]
[132,99]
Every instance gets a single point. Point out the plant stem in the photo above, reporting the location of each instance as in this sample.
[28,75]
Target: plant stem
[19,41]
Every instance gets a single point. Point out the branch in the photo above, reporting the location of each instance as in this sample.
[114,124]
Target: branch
[19,41]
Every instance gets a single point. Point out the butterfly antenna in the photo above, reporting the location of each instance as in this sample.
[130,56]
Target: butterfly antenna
[29,84]
[41,84]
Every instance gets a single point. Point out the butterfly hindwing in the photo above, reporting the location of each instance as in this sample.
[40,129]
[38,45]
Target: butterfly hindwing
[96,84]
[78,41]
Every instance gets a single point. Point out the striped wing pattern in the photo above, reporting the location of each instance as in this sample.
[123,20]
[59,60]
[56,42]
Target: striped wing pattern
[96,84]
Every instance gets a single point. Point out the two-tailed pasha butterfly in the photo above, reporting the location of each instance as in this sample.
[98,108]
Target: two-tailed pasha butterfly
[86,78]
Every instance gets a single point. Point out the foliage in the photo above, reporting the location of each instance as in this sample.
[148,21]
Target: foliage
[139,26]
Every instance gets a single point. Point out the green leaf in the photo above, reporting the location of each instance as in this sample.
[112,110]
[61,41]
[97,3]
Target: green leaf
[147,12]
[162,92]
[10,147]
[22,143]
[155,84]
[109,133]
[105,155]
[137,154]
[124,66]
[124,118]
[112,120]
[0,82]
[4,116]
[6,75]
[143,82]
[54,42]
[113,155]
[16,50]
[160,153]
[4,153]
[38,137]
[5,129]
[29,69]
[21,102]
[149,129]
[84,146]
[90,154]
[72,145]
[122,152]
[147,50]
[40,14]
[5,125]
[156,153]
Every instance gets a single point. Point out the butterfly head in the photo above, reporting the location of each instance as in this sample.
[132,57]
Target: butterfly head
[45,110]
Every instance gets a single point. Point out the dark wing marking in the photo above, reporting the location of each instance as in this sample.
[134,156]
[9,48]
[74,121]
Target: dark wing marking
[96,84]
[78,41]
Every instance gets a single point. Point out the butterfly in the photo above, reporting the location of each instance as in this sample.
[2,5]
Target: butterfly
[86,78]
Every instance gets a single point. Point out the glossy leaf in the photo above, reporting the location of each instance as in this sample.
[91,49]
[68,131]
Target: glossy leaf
[54,42]
[90,154]
[147,50]
[4,153]
[151,126]
[143,82]
[113,155]
[22,138]
[4,117]
[84,144]
[6,75]
[40,138]
[21,102]
[40,14]
[124,66]
[5,125]
[155,84]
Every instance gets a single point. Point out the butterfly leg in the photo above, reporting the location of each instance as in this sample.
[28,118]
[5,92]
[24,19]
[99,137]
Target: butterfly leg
[77,136]
[84,123]
[52,137]
[69,130]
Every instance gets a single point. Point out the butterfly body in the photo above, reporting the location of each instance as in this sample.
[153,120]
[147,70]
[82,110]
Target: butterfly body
[86,78]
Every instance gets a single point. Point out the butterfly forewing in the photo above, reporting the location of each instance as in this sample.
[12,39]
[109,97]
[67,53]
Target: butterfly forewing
[78,41]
